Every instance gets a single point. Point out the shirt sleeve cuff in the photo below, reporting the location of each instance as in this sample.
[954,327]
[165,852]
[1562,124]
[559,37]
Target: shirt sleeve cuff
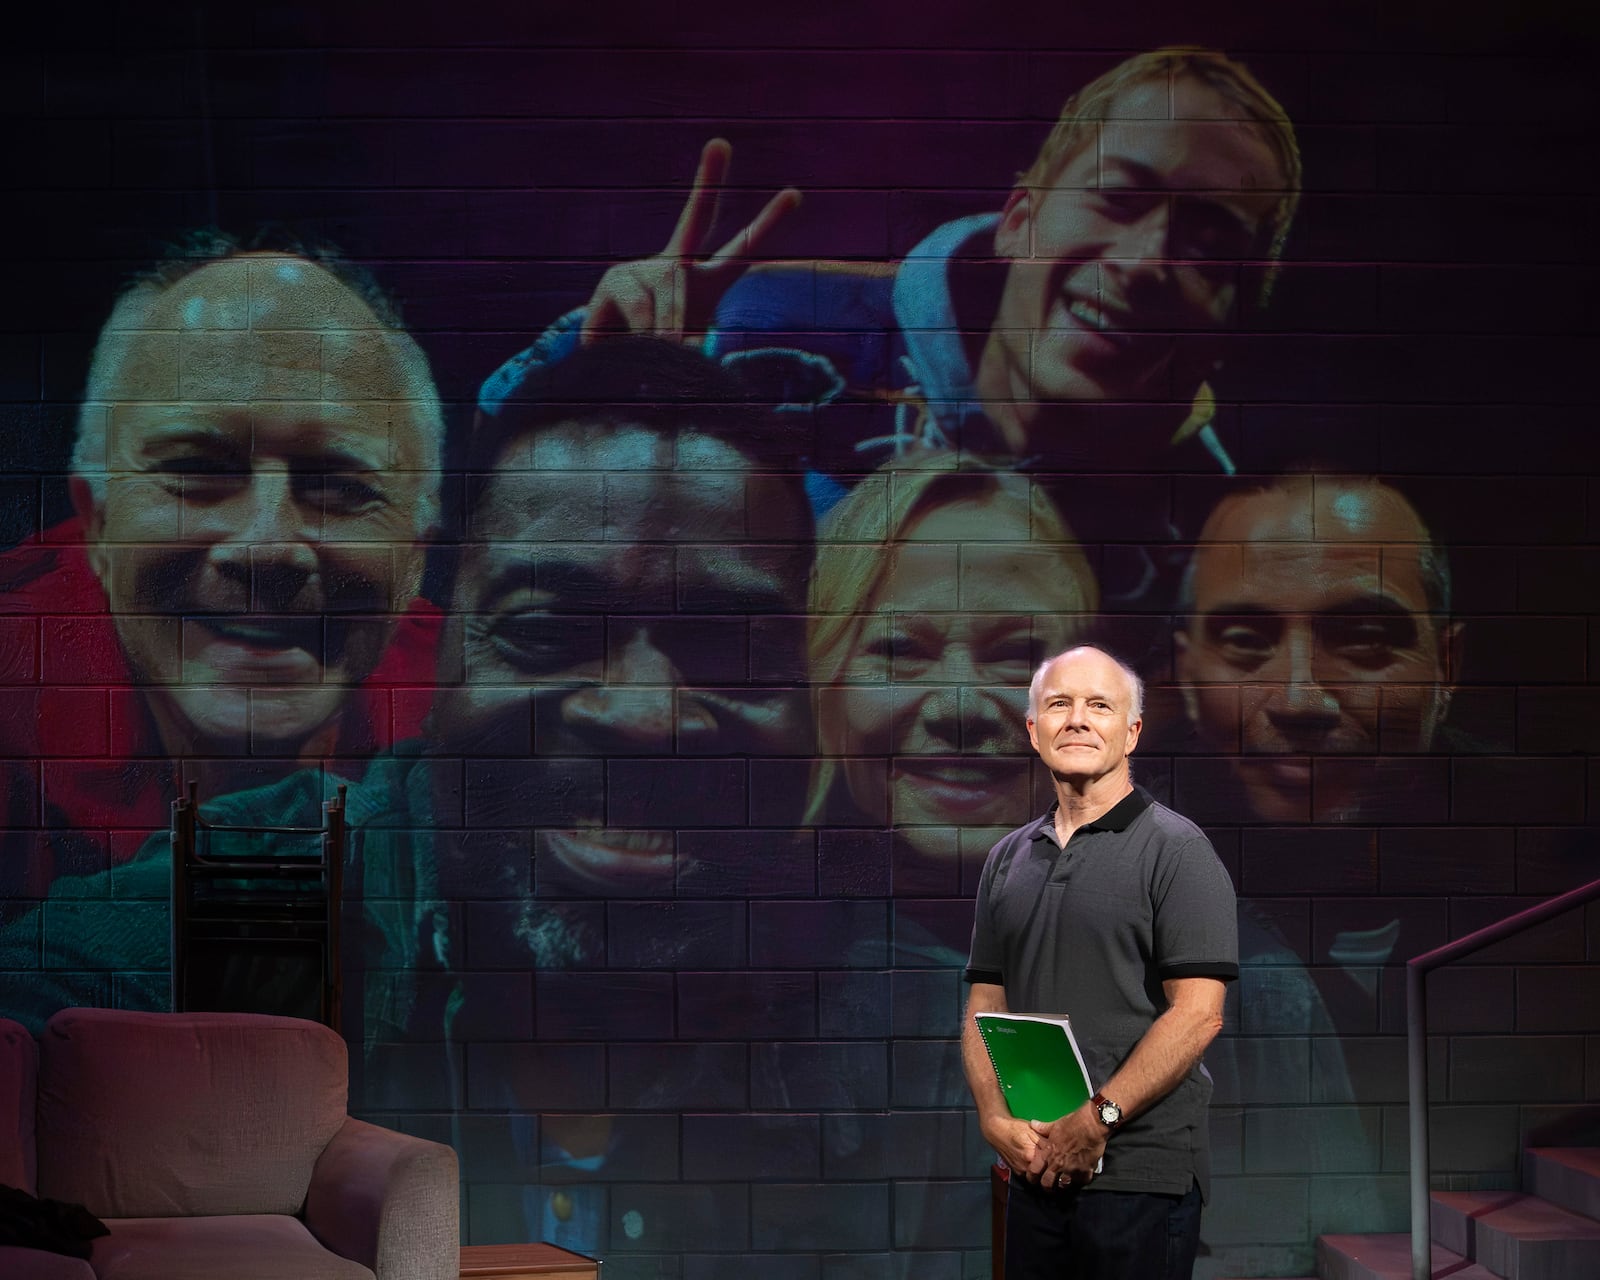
[1221,970]
[992,976]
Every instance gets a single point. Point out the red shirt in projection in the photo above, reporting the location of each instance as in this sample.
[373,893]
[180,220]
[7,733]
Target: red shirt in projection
[83,776]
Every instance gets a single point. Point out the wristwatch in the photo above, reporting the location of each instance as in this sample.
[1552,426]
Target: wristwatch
[1109,1112]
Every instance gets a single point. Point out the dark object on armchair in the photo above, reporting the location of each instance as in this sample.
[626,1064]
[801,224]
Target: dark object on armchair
[52,1225]
[256,932]
[216,1144]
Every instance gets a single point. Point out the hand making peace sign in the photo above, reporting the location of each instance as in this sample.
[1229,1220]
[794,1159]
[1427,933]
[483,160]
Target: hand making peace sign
[675,293]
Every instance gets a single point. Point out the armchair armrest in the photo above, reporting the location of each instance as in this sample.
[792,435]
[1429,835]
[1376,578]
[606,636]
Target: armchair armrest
[388,1201]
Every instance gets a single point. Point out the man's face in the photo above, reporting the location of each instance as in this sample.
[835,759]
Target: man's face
[265,464]
[1137,239]
[939,672]
[613,587]
[1310,635]
[1080,728]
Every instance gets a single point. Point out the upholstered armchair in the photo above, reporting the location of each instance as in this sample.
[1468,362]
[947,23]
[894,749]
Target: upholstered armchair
[216,1144]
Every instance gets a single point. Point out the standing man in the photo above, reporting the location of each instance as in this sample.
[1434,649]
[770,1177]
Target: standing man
[1114,910]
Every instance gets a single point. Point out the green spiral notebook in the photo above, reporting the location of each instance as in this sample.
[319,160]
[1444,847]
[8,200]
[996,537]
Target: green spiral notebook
[1037,1061]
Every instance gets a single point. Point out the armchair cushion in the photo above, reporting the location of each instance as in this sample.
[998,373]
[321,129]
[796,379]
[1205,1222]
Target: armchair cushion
[19,1073]
[243,1247]
[36,1264]
[388,1200]
[155,1115]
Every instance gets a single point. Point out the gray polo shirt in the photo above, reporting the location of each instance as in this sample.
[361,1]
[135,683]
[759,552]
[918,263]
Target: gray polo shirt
[1091,930]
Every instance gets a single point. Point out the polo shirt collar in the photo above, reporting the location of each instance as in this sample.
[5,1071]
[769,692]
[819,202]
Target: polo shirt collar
[1119,817]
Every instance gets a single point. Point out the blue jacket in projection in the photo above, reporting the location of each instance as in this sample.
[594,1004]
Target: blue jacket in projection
[874,352]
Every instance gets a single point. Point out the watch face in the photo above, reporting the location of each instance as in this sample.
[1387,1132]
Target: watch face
[1110,1113]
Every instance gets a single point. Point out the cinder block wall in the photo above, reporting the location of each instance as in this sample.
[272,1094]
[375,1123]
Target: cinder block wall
[756,1069]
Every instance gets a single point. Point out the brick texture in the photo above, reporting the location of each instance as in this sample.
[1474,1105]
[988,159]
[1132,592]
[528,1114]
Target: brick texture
[663,896]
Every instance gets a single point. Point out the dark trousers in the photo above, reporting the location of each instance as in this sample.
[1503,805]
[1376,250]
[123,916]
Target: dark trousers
[1099,1235]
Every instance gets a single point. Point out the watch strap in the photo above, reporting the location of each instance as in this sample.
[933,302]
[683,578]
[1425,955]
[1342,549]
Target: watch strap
[1098,1102]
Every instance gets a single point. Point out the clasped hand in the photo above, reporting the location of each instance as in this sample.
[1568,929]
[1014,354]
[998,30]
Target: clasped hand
[1067,1150]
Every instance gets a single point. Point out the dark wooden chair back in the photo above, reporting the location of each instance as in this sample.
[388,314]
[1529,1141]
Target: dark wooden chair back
[256,914]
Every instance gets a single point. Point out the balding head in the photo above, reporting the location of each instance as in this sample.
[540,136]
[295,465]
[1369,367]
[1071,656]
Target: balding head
[259,328]
[1328,510]
[1085,718]
[257,469]
[1134,685]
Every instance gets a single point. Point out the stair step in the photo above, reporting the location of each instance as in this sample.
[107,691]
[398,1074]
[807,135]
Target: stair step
[1388,1257]
[1516,1235]
[1567,1176]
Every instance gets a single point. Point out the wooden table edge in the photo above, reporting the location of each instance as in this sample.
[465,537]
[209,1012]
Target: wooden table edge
[483,1261]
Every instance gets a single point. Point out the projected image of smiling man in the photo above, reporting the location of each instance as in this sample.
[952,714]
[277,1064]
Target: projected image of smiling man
[1164,180]
[1316,623]
[634,564]
[256,469]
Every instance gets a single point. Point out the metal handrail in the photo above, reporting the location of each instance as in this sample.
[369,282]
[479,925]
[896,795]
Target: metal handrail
[1417,971]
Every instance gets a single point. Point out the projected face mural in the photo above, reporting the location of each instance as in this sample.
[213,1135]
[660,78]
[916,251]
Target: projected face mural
[617,629]
[925,644]
[266,484]
[663,846]
[1314,628]
[1138,236]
